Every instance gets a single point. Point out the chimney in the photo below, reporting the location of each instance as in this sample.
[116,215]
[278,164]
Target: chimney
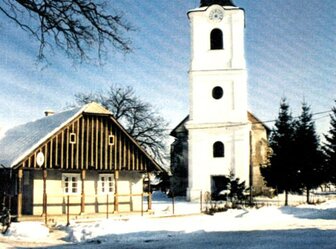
[48,113]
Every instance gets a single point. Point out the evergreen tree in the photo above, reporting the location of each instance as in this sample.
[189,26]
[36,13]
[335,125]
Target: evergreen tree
[308,155]
[281,173]
[329,149]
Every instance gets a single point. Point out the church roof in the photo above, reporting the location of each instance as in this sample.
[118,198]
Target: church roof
[251,118]
[219,2]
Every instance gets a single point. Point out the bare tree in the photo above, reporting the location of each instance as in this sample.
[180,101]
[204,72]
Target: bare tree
[139,118]
[74,26]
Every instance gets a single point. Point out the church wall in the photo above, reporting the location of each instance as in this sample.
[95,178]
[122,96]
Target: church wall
[203,165]
[218,97]
[259,143]
[230,108]
[232,56]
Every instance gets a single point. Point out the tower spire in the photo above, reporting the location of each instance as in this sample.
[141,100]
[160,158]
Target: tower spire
[219,2]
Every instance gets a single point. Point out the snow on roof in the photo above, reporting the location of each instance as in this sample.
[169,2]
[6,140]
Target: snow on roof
[21,140]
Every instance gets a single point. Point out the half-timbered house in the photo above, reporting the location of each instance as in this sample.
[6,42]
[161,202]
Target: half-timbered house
[81,159]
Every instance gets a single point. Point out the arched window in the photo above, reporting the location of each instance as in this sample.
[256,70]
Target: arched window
[216,39]
[218,149]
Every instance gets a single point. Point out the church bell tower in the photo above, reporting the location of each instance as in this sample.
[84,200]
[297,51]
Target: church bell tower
[218,125]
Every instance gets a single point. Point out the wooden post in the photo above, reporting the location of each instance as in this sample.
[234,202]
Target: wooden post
[107,206]
[149,201]
[149,193]
[173,202]
[44,176]
[116,201]
[142,196]
[68,210]
[201,201]
[251,169]
[19,194]
[83,176]
[45,207]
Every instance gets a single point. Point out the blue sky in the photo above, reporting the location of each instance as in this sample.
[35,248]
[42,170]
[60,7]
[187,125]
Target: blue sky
[290,51]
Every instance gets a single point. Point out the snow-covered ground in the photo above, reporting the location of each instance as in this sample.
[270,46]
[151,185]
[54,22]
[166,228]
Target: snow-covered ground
[304,226]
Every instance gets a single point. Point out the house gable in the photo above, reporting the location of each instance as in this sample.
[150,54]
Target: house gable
[89,139]
[19,141]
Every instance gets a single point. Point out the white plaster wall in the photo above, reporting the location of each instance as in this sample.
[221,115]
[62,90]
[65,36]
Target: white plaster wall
[128,183]
[202,163]
[232,26]
[214,120]
[232,107]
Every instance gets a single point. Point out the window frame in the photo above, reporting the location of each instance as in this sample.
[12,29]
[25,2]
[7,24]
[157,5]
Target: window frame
[111,140]
[72,138]
[106,185]
[69,190]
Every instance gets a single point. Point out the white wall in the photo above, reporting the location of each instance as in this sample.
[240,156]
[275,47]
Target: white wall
[211,119]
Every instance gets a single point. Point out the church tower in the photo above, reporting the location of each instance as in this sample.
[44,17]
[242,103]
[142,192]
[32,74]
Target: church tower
[218,123]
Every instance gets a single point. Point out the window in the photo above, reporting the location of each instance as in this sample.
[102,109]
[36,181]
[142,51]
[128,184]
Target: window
[216,39]
[106,183]
[217,92]
[72,138]
[111,140]
[218,149]
[71,183]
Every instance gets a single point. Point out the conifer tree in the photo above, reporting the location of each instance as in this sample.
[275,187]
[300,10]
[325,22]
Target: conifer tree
[329,149]
[308,158]
[281,173]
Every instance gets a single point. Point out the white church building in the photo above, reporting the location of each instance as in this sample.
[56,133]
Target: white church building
[218,128]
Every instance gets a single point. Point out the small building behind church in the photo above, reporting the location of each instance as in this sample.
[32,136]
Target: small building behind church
[80,161]
[258,156]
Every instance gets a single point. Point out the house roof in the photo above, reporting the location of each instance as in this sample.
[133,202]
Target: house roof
[20,141]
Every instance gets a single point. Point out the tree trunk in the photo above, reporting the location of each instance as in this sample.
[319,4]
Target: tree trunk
[286,198]
[308,201]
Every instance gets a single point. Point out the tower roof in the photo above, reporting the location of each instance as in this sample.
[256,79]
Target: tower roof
[219,2]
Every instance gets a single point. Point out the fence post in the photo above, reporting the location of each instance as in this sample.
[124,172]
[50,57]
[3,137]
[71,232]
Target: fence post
[149,201]
[116,201]
[173,202]
[142,196]
[83,176]
[201,201]
[9,202]
[107,206]
[45,209]
[44,172]
[68,210]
